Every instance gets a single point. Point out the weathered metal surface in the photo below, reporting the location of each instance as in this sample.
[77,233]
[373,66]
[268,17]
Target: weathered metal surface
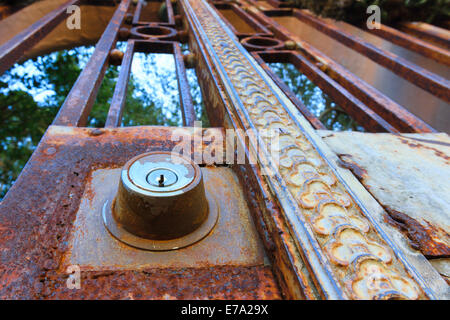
[443,267]
[343,258]
[421,77]
[293,275]
[412,43]
[160,203]
[154,32]
[79,101]
[13,50]
[262,43]
[409,175]
[187,105]
[325,235]
[227,282]
[233,241]
[36,223]
[428,32]
[395,114]
[361,113]
[114,117]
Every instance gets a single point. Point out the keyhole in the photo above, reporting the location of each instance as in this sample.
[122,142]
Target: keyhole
[161,180]
[162,177]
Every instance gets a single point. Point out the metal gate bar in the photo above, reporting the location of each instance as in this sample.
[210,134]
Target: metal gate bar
[396,115]
[428,32]
[14,49]
[258,104]
[360,112]
[79,101]
[118,101]
[402,39]
[424,79]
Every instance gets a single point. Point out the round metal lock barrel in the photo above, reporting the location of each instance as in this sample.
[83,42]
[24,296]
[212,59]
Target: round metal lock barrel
[161,203]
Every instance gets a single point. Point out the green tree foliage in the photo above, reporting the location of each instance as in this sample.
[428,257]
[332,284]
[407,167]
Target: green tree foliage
[23,119]
[392,11]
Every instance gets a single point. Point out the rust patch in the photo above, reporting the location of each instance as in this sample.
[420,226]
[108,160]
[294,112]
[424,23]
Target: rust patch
[423,238]
[418,145]
[37,216]
[359,172]
[289,269]
[188,283]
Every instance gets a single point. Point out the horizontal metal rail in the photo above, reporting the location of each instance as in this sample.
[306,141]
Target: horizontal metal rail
[422,78]
[14,49]
[78,104]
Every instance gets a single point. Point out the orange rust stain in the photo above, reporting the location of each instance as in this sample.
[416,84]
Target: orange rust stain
[423,238]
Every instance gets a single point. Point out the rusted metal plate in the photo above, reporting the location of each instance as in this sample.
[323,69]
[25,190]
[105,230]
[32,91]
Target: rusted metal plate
[227,282]
[37,216]
[410,176]
[233,241]
[443,267]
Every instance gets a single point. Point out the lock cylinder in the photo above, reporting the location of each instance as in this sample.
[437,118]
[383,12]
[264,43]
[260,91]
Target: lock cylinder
[161,203]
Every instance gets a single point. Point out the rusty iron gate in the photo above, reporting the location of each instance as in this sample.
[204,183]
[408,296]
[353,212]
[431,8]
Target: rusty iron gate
[310,230]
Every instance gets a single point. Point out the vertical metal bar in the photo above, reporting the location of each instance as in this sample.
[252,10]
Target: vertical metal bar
[366,117]
[78,104]
[187,107]
[422,78]
[170,13]
[13,50]
[114,117]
